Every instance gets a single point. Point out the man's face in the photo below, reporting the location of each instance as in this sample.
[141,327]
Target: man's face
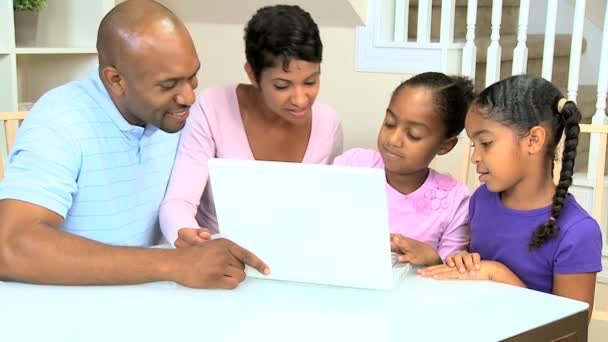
[160,80]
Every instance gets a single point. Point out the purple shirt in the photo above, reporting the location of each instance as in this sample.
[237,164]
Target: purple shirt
[436,213]
[503,234]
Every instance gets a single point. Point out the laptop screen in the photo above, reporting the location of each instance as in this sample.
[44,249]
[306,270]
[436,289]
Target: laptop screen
[310,223]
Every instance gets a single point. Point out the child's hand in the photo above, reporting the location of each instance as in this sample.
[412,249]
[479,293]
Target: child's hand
[464,262]
[189,237]
[413,251]
[485,272]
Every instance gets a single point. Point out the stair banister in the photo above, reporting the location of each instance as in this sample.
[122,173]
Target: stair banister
[469,52]
[402,13]
[576,49]
[599,117]
[547,71]
[494,52]
[520,53]
[425,9]
[446,33]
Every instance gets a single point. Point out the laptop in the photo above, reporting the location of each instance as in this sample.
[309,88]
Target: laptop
[310,223]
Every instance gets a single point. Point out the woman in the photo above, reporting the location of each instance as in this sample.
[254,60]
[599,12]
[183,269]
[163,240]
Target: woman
[273,118]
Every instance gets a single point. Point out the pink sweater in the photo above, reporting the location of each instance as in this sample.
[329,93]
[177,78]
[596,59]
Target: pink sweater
[437,213]
[215,129]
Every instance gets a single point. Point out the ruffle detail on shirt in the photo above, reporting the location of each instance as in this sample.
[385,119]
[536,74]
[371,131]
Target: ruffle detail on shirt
[436,196]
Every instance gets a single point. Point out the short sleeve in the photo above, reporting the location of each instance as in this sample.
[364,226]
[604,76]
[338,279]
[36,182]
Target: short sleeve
[359,157]
[456,235]
[472,202]
[338,140]
[580,248]
[346,158]
[42,169]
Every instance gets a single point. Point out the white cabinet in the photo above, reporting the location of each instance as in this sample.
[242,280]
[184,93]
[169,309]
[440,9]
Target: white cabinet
[64,49]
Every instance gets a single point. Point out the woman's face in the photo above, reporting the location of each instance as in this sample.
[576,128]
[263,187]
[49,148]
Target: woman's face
[290,93]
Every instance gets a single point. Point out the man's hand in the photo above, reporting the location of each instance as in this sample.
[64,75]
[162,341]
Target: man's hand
[218,263]
[413,251]
[189,237]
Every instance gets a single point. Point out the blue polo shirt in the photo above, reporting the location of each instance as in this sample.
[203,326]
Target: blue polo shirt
[76,155]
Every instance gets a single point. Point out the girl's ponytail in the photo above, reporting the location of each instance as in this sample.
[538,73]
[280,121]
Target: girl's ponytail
[570,117]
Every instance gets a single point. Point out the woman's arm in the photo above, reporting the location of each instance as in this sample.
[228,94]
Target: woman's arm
[189,175]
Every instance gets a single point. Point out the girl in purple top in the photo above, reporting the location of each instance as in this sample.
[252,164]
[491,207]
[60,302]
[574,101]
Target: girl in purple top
[525,230]
[428,211]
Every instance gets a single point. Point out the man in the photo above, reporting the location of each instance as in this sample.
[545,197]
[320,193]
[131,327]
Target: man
[91,162]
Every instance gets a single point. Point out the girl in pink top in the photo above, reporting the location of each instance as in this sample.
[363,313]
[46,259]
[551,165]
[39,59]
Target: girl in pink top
[428,211]
[273,118]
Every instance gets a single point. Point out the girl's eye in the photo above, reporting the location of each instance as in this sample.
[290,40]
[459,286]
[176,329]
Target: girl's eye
[388,124]
[413,137]
[486,144]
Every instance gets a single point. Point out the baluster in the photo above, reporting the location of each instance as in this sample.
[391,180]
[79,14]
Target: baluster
[547,72]
[599,118]
[425,10]
[402,12]
[520,54]
[494,51]
[446,34]
[576,49]
[469,53]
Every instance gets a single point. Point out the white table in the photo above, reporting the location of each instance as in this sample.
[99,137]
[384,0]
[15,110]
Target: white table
[264,310]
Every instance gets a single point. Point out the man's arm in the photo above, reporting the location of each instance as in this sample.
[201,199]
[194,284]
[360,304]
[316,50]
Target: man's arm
[34,250]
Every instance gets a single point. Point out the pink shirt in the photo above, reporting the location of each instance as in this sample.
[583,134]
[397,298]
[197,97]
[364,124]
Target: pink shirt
[436,213]
[215,129]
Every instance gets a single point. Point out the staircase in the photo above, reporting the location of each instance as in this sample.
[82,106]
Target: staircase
[587,94]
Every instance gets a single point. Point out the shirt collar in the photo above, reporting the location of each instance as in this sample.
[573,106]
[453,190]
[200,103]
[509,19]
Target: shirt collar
[102,97]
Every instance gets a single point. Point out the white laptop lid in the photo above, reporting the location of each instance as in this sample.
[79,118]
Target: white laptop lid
[310,223]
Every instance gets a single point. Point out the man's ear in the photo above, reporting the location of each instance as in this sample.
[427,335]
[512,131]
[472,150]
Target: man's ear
[447,145]
[535,140]
[115,82]
[251,75]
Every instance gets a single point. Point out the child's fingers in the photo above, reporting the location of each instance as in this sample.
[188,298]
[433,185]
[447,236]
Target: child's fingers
[433,270]
[459,263]
[450,261]
[469,263]
[404,257]
[399,244]
[448,274]
[477,261]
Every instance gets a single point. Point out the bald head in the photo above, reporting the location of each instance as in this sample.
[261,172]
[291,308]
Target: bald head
[134,26]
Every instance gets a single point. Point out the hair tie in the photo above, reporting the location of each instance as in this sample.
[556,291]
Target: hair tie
[560,104]
[552,219]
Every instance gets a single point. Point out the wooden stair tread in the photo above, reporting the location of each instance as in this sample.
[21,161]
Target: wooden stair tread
[535,44]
